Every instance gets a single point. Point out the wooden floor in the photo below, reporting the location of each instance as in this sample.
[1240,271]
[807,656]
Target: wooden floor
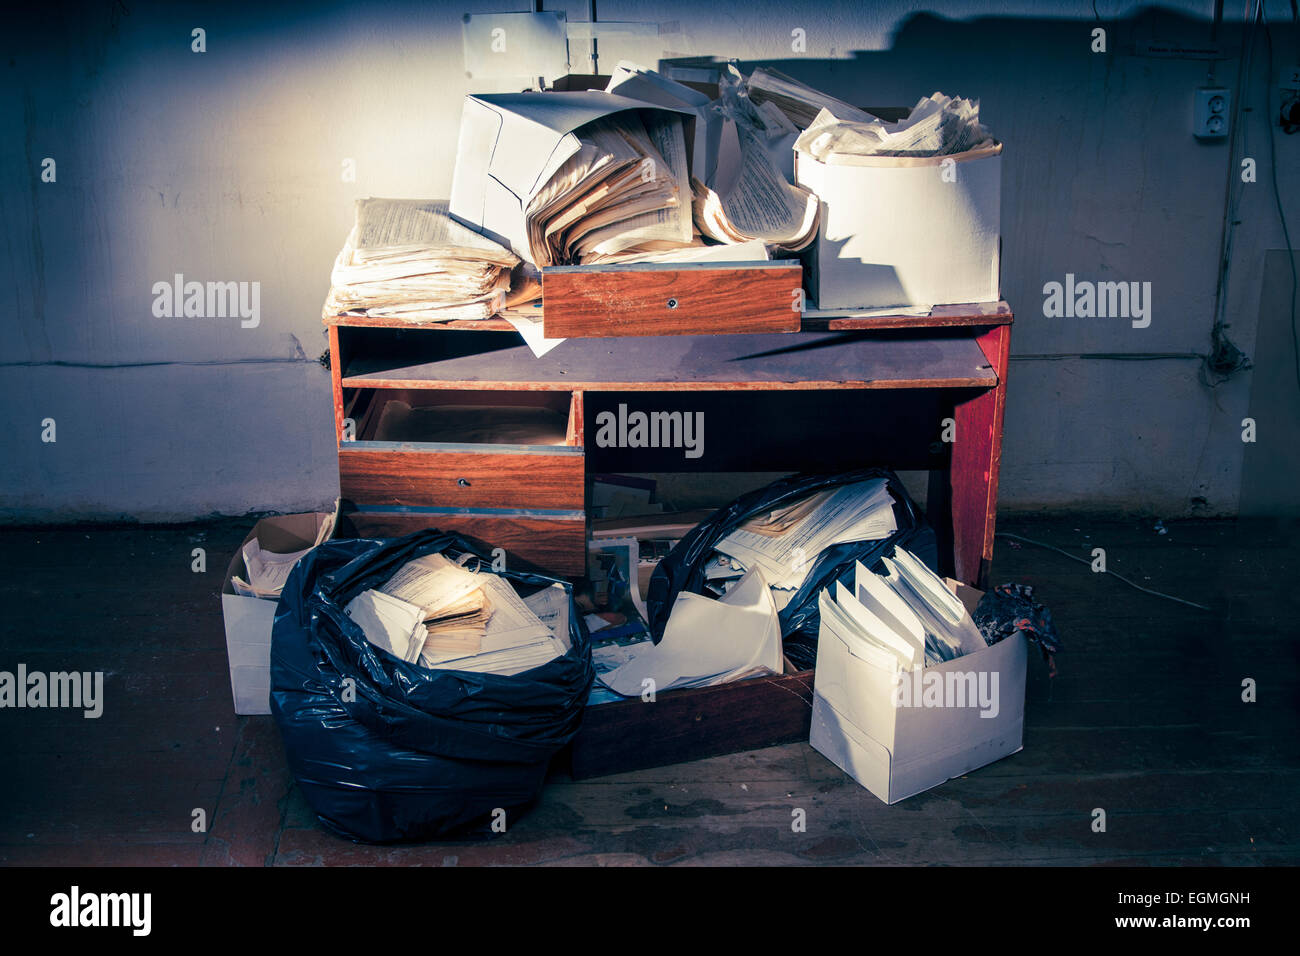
[1145,721]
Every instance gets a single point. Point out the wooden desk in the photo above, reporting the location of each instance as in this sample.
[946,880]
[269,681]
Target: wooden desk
[845,392]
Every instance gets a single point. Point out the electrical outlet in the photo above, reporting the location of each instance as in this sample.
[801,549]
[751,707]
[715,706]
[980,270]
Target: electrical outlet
[1210,115]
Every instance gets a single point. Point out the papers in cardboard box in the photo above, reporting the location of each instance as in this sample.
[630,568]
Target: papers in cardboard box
[573,176]
[898,622]
[899,732]
[937,125]
[266,571]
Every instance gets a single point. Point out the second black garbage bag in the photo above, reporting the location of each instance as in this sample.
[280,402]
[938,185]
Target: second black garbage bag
[384,750]
[683,569]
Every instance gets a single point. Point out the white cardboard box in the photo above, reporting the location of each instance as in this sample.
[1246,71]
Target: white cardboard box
[248,620]
[905,231]
[898,751]
[511,143]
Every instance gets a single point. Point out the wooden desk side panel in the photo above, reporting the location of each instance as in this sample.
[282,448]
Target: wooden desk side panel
[976,459]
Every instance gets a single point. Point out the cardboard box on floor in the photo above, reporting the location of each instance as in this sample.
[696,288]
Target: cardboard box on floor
[899,751]
[905,231]
[248,619]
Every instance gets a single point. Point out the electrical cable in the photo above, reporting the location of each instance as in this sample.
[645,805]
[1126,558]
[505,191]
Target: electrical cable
[1225,358]
[1277,200]
[1075,557]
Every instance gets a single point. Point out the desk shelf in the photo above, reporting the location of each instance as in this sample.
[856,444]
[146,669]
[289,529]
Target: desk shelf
[776,361]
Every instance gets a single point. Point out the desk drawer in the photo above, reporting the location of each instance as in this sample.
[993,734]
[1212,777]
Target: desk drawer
[464,449]
[555,543]
[460,476]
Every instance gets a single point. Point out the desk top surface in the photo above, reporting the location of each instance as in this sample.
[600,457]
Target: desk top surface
[797,360]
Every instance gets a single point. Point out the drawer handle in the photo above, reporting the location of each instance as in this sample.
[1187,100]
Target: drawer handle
[463,482]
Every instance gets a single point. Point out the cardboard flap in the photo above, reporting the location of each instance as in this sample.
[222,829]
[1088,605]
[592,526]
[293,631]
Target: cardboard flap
[537,127]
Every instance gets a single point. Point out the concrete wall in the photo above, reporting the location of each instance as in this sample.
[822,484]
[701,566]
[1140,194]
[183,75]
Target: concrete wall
[227,165]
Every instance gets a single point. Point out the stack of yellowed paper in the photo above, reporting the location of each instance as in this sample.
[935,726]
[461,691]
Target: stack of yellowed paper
[454,608]
[407,258]
[438,614]
[625,192]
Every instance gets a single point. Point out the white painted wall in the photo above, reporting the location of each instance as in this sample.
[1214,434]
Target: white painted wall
[226,166]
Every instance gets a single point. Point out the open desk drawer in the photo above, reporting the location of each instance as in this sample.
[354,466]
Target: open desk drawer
[464,449]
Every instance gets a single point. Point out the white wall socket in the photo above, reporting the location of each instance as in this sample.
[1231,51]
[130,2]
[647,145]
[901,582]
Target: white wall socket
[1210,116]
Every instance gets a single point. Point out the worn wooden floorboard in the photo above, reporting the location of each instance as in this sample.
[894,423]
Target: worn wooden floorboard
[1145,721]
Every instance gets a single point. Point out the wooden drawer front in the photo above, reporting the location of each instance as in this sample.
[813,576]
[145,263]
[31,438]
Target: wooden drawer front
[460,478]
[554,545]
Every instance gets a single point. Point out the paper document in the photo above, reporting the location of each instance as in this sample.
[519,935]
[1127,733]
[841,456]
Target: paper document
[389,623]
[798,101]
[937,125]
[516,639]
[760,204]
[786,542]
[551,605]
[534,335]
[571,177]
[267,572]
[709,641]
[409,259]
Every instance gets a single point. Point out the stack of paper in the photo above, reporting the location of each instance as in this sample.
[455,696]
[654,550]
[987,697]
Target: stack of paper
[785,542]
[516,638]
[899,622]
[623,193]
[798,101]
[389,623]
[439,614]
[750,194]
[409,259]
[937,125]
[454,608]
[949,629]
[891,626]
[628,79]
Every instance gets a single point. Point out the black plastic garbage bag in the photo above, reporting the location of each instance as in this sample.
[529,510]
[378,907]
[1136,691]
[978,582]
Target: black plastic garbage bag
[384,750]
[684,567]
